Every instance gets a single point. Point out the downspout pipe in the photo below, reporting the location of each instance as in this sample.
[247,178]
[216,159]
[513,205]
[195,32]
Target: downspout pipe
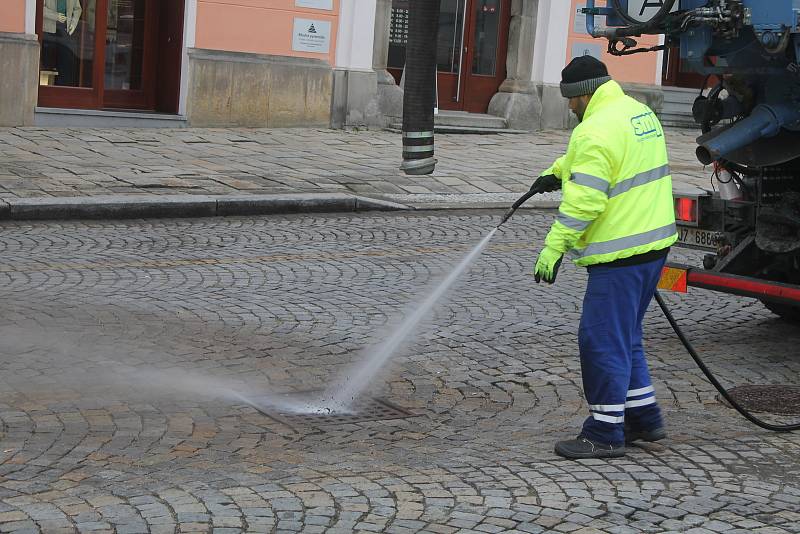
[419,96]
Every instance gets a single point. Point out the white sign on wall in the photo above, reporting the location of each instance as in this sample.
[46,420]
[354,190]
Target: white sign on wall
[315,4]
[644,10]
[586,49]
[311,36]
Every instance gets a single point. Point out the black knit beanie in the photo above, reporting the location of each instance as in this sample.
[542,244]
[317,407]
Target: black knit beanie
[583,76]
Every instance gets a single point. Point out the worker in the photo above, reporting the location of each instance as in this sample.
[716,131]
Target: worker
[617,219]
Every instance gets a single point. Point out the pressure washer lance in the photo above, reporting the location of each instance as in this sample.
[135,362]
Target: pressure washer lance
[515,206]
[681,336]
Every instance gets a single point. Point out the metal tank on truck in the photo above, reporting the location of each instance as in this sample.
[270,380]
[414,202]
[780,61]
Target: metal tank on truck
[749,114]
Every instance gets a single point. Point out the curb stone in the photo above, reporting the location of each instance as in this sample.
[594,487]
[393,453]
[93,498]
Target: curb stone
[146,206]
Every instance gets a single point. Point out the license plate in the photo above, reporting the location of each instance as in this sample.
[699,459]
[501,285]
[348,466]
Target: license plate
[696,238]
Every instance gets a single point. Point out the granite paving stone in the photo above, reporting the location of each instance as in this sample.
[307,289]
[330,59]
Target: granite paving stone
[133,354]
[67,162]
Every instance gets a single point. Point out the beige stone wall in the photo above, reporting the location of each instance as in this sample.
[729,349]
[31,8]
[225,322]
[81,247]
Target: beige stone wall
[19,82]
[253,90]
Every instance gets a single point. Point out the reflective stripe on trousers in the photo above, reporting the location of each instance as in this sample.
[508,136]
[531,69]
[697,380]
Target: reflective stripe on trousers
[616,380]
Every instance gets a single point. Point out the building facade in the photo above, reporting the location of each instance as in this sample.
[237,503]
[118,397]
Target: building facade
[280,63]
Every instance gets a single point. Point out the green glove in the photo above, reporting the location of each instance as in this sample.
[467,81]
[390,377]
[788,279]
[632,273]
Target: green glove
[546,183]
[547,265]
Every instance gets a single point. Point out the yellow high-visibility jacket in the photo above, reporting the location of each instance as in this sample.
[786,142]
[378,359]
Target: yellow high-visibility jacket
[616,183]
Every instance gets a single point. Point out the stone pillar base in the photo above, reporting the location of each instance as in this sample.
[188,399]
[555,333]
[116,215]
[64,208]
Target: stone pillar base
[365,98]
[519,104]
[19,86]
[650,95]
[355,99]
[390,98]
[556,114]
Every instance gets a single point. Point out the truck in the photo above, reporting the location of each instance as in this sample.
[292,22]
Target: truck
[749,119]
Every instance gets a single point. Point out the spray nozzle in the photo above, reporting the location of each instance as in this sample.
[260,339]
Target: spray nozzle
[506,217]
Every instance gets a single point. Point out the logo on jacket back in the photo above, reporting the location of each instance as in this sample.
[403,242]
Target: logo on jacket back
[646,126]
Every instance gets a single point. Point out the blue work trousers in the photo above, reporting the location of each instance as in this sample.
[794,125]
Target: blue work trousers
[616,381]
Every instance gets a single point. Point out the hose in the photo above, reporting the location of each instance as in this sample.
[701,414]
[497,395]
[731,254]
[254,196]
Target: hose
[722,391]
[514,207]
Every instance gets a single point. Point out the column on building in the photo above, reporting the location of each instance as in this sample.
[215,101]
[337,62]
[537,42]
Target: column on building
[365,94]
[355,82]
[390,96]
[550,57]
[19,62]
[517,99]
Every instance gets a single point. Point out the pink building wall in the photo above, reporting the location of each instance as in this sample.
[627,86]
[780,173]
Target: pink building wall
[12,16]
[258,26]
[637,68]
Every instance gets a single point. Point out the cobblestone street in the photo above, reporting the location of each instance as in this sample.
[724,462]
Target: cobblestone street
[128,349]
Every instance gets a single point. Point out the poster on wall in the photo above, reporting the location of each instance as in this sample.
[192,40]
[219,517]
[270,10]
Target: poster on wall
[311,36]
[315,4]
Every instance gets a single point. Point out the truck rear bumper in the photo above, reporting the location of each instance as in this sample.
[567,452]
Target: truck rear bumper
[738,285]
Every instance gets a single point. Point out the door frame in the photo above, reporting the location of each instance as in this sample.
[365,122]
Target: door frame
[451,83]
[97,97]
[475,100]
[76,97]
[145,97]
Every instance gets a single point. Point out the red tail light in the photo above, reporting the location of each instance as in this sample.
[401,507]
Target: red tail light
[686,209]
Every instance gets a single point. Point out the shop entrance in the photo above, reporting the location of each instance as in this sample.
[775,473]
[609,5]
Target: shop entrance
[110,54]
[470,54]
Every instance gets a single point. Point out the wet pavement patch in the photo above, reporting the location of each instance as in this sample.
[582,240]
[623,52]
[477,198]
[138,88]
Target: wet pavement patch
[363,410]
[775,399]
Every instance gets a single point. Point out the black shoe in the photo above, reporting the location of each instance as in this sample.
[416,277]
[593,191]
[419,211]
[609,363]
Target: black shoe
[583,447]
[645,435]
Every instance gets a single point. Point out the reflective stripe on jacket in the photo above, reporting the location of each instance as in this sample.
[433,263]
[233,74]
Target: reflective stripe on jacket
[616,183]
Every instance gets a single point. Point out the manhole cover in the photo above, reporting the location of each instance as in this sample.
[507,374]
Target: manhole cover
[362,410]
[780,400]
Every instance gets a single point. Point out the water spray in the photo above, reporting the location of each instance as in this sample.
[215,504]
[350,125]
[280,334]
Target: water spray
[340,397]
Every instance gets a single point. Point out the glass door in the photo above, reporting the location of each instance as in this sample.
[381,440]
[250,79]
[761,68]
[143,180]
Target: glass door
[451,51]
[484,65]
[97,53]
[71,48]
[471,49]
[128,72]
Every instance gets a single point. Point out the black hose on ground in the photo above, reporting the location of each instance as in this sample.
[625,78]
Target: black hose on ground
[722,391]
